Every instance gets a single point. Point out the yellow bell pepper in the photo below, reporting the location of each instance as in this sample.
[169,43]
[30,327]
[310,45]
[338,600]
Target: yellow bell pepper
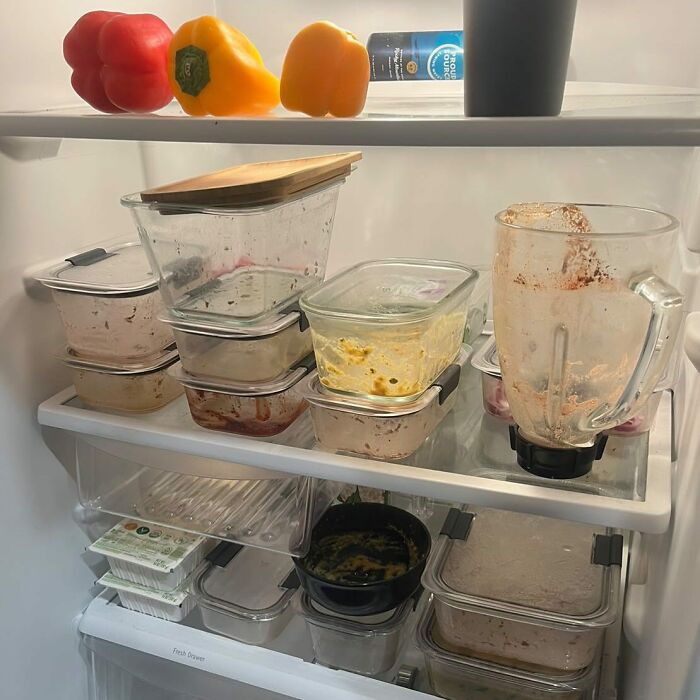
[215,69]
[326,71]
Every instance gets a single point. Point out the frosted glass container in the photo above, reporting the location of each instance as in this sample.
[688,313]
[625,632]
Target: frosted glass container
[584,320]
[237,265]
[457,677]
[263,353]
[384,330]
[136,388]
[391,432]
[523,590]
[109,303]
[249,599]
[245,408]
[365,645]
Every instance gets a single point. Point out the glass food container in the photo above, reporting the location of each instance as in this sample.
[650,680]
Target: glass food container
[246,408]
[109,303]
[246,593]
[456,676]
[485,359]
[585,324]
[365,645]
[524,590]
[392,432]
[237,264]
[384,330]
[478,309]
[257,353]
[140,387]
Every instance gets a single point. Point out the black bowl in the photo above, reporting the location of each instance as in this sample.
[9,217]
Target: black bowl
[365,598]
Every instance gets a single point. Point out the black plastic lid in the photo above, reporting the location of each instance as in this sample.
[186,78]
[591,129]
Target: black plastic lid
[554,462]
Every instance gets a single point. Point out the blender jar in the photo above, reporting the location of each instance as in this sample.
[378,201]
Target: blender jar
[585,324]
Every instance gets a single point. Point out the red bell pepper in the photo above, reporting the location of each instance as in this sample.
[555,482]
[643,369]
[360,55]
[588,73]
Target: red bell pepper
[119,61]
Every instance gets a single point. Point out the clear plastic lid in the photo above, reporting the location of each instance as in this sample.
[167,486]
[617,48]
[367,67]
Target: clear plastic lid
[114,269]
[152,363]
[485,358]
[220,386]
[254,584]
[524,566]
[441,388]
[391,291]
[364,626]
[268,326]
[554,684]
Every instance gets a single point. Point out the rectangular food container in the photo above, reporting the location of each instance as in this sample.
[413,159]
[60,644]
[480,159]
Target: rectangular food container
[168,605]
[237,264]
[384,330]
[246,593]
[393,432]
[246,408]
[365,645]
[154,557]
[524,590]
[256,353]
[456,677]
[496,404]
[478,308]
[200,495]
[139,387]
[109,303]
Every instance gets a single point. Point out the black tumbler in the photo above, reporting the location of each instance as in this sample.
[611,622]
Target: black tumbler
[516,53]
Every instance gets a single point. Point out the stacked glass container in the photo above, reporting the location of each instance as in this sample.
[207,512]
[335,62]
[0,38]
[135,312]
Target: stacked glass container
[387,337]
[230,277]
[118,350]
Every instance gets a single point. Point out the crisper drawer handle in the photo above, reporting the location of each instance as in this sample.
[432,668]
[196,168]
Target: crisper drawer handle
[222,554]
[89,257]
[607,550]
[457,524]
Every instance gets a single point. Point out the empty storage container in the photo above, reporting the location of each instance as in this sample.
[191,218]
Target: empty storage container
[384,330]
[255,353]
[246,593]
[246,408]
[151,556]
[524,590]
[350,424]
[237,263]
[367,645]
[201,497]
[109,303]
[458,677]
[138,387]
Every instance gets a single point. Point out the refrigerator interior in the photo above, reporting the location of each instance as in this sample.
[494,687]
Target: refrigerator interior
[63,195]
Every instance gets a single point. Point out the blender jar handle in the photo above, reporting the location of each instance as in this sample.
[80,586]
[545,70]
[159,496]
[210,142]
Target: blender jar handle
[666,314]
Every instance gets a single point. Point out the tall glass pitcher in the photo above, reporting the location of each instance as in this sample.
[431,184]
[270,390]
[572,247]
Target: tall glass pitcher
[584,321]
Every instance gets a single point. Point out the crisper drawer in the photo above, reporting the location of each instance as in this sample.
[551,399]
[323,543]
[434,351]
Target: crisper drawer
[276,513]
[119,673]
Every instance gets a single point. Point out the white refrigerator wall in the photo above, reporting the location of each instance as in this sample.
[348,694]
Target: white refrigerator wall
[409,202]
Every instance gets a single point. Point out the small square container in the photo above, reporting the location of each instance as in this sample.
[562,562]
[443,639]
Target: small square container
[366,645]
[139,387]
[362,427]
[257,353]
[237,264]
[457,677]
[109,303]
[246,594]
[524,590]
[257,409]
[154,557]
[496,403]
[384,330]
[167,605]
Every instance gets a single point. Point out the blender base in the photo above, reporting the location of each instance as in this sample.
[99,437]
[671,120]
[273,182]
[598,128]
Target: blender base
[554,462]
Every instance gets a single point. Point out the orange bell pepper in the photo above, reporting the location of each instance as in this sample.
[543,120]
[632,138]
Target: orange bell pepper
[326,71]
[215,69]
